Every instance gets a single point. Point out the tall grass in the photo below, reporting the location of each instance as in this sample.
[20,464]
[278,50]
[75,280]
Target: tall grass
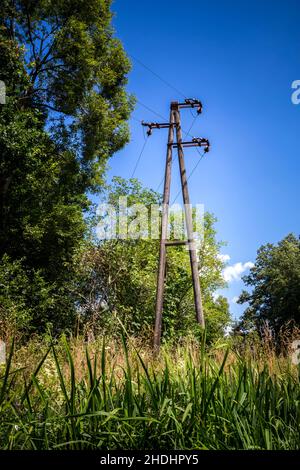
[77,397]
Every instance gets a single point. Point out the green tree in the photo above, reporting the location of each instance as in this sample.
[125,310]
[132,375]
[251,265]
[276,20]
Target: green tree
[41,204]
[275,283]
[66,113]
[77,69]
[118,277]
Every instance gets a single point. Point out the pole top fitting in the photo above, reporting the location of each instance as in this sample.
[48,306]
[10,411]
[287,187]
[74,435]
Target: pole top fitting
[192,103]
[202,143]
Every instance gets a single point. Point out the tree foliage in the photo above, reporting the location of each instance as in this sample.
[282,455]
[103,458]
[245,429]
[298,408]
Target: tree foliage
[66,113]
[118,278]
[76,68]
[275,283]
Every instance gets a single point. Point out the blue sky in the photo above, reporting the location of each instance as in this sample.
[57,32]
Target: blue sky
[239,59]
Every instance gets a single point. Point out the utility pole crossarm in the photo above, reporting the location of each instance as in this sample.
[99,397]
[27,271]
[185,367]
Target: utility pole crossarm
[156,125]
[195,142]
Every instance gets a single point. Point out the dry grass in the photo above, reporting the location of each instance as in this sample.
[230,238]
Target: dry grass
[261,352]
[112,394]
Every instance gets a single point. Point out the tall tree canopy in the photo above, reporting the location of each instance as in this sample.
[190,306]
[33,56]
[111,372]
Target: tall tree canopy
[76,68]
[275,283]
[66,113]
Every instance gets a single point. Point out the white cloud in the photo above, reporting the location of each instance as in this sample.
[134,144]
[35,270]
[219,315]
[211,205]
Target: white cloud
[234,299]
[224,258]
[234,272]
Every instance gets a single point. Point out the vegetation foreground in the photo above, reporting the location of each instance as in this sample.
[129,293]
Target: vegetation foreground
[117,395]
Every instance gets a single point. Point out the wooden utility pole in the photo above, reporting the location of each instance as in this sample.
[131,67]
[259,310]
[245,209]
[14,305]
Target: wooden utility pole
[163,236]
[164,243]
[189,223]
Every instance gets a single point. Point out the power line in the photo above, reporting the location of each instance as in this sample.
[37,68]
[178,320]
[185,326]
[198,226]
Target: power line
[164,118]
[139,157]
[162,80]
[144,135]
[192,172]
[186,134]
[191,126]
[160,184]
[135,119]
[156,75]
[152,110]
